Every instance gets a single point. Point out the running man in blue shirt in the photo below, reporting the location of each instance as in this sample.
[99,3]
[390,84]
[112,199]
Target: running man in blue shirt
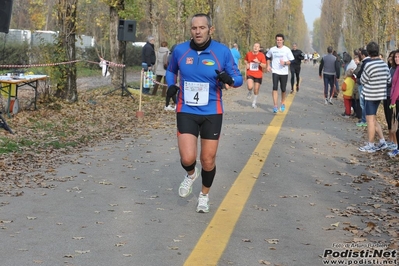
[203,66]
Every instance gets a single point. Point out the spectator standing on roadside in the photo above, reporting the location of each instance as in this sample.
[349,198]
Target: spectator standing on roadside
[347,91]
[236,54]
[295,66]
[348,61]
[160,70]
[356,97]
[328,68]
[364,57]
[338,63]
[351,64]
[392,103]
[148,58]
[374,79]
[278,60]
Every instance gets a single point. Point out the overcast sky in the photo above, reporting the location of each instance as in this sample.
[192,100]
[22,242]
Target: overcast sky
[311,10]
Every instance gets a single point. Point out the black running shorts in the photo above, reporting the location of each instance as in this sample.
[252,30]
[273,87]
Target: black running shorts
[256,80]
[206,126]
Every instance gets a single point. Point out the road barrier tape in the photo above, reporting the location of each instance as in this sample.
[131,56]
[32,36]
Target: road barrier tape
[114,64]
[111,64]
[154,81]
[61,63]
[38,65]
[157,82]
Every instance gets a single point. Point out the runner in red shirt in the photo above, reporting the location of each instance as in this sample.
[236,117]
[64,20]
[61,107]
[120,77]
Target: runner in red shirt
[254,61]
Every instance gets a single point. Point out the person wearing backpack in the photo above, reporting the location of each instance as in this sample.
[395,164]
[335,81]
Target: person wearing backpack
[160,69]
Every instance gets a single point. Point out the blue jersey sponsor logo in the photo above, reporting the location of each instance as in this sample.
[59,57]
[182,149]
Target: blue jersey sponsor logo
[208,62]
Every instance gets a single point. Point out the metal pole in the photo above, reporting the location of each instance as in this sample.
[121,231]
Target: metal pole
[141,88]
[124,68]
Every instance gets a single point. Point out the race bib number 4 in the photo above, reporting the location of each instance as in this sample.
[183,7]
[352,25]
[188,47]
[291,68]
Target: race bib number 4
[196,93]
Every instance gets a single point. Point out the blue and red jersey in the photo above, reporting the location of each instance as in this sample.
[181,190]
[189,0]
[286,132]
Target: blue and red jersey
[194,72]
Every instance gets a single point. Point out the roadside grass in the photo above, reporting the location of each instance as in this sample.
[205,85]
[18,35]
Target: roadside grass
[8,145]
[54,137]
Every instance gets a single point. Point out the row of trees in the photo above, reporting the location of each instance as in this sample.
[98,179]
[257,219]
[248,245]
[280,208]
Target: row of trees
[344,24]
[252,21]
[351,24]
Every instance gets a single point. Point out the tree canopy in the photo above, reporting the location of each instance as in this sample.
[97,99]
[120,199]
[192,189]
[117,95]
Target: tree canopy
[344,24]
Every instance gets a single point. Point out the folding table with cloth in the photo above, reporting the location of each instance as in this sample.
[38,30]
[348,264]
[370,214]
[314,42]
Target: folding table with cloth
[10,85]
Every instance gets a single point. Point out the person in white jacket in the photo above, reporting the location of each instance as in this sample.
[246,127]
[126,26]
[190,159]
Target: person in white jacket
[160,70]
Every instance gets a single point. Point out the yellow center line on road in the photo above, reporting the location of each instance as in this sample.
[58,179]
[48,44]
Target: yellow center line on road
[215,238]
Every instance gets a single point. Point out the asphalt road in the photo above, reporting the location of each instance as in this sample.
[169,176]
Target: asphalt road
[119,204]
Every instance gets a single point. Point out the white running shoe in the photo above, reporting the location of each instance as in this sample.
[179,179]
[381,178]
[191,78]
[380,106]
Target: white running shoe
[392,146]
[368,148]
[381,146]
[254,105]
[187,185]
[249,95]
[393,153]
[203,203]
[169,108]
[325,101]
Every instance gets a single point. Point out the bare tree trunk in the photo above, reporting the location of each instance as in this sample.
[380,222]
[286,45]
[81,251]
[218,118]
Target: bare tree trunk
[117,48]
[66,86]
[72,90]
[154,21]
[179,19]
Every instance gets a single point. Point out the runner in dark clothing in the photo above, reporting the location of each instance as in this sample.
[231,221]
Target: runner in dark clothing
[295,66]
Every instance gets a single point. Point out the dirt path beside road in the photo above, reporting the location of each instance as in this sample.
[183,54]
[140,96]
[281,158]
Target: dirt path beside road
[93,82]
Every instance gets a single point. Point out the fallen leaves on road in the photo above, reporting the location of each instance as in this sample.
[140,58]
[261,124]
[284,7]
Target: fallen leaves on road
[272,241]
[82,251]
[47,136]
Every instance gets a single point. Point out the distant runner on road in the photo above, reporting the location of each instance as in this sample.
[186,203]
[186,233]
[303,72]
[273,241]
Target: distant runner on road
[279,58]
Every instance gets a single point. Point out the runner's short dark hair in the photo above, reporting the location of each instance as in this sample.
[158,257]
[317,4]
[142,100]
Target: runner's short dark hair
[208,18]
